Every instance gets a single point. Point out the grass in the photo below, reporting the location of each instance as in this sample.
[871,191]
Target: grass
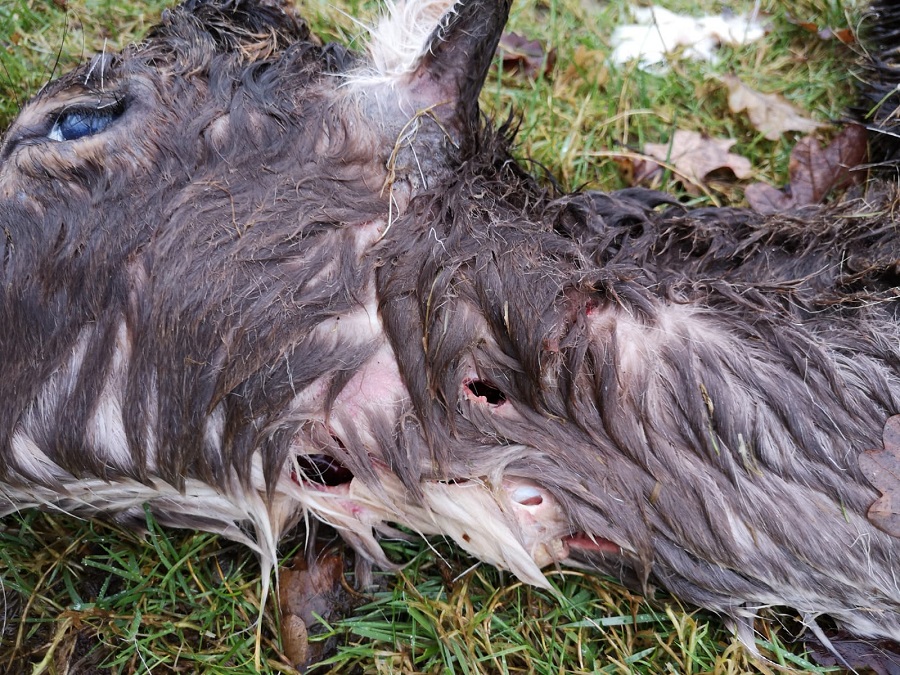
[86,598]
[107,600]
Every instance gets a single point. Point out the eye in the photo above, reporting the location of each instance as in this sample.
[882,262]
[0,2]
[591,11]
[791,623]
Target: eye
[78,123]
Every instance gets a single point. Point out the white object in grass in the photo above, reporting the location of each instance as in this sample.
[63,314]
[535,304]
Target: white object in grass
[658,32]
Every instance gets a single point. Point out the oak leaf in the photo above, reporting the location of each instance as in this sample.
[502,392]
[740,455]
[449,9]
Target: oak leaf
[814,171]
[309,591]
[694,157]
[770,114]
[527,57]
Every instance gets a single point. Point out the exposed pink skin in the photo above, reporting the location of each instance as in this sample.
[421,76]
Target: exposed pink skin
[378,380]
[542,523]
[468,393]
[590,543]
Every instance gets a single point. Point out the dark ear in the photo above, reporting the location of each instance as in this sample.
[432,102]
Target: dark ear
[452,69]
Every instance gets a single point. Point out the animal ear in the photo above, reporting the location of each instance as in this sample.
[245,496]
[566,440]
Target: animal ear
[434,56]
[454,65]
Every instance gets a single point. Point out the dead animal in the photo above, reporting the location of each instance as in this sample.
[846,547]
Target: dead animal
[248,278]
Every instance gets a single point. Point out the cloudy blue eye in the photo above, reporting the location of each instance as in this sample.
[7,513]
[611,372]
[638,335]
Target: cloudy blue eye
[81,122]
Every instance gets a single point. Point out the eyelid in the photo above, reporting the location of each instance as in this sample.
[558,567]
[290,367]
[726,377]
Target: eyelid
[96,118]
[37,132]
[75,124]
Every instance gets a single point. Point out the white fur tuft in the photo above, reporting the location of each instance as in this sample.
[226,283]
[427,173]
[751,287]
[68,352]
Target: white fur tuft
[400,39]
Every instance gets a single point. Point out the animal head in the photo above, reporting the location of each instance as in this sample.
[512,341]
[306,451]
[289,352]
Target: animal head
[219,86]
[229,132]
[191,239]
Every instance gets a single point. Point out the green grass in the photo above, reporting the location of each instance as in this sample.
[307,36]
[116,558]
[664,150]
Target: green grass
[109,601]
[106,600]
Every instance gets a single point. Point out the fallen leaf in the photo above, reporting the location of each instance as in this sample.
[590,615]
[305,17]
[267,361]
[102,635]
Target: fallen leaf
[881,657]
[306,591]
[771,114]
[765,199]
[518,54]
[645,172]
[881,468]
[845,35]
[586,65]
[295,640]
[814,171]
[808,26]
[694,156]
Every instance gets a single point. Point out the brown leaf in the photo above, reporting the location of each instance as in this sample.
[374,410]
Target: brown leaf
[817,171]
[882,469]
[695,156]
[295,640]
[646,172]
[765,199]
[307,591]
[586,65]
[845,35]
[808,26]
[771,114]
[880,657]
[814,172]
[526,57]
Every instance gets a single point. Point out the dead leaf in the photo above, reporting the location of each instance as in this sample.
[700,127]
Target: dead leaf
[586,65]
[295,640]
[645,172]
[527,57]
[694,156]
[844,35]
[880,657]
[771,114]
[814,171]
[881,468]
[307,591]
[765,199]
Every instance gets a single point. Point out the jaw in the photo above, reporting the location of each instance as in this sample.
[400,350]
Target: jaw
[513,523]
